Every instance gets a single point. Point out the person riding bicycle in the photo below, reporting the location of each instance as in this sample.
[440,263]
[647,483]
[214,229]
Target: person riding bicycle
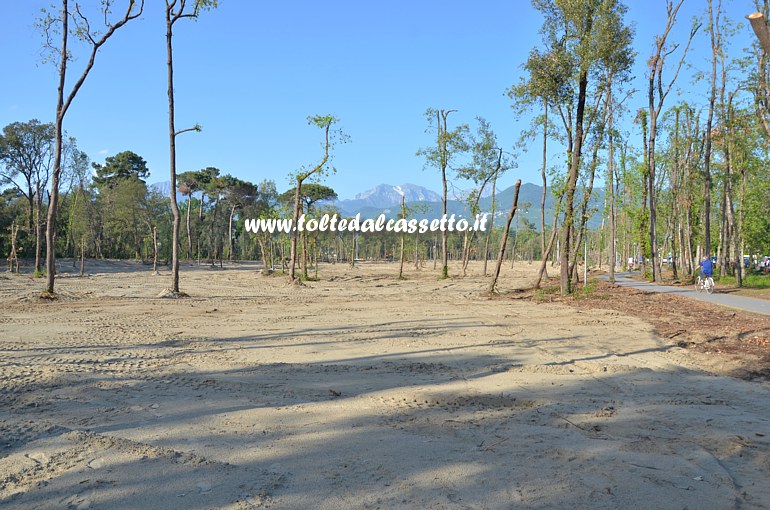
[706,267]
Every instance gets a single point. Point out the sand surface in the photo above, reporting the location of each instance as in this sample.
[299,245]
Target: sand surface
[357,391]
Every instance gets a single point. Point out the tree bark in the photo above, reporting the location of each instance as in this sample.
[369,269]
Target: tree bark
[709,126]
[231,243]
[189,231]
[442,145]
[545,183]
[572,177]
[401,257]
[504,238]
[172,152]
[62,104]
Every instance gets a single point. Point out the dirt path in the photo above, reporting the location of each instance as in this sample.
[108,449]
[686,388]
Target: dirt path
[358,391]
[736,302]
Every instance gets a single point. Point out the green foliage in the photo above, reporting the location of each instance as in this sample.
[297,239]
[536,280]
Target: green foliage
[124,211]
[545,293]
[26,156]
[237,192]
[487,164]
[587,291]
[750,281]
[757,213]
[580,36]
[311,193]
[122,166]
[332,137]
[449,143]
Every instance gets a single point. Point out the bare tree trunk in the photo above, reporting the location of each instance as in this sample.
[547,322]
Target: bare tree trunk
[572,177]
[263,252]
[155,250]
[545,183]
[676,186]
[504,239]
[758,24]
[315,257]
[294,234]
[490,225]
[401,256]
[189,231]
[13,259]
[353,250]
[435,250]
[729,207]
[543,263]
[442,127]
[38,232]
[232,243]
[587,193]
[709,124]
[172,153]
[62,105]
[651,174]
[611,187]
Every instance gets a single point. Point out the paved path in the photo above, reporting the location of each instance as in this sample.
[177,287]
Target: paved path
[748,304]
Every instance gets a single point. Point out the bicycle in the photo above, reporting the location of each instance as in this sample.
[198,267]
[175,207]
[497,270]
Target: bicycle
[706,284]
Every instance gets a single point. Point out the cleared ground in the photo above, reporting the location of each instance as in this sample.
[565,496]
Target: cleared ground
[360,391]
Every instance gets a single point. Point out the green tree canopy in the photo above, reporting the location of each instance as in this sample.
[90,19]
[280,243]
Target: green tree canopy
[26,155]
[123,165]
[311,193]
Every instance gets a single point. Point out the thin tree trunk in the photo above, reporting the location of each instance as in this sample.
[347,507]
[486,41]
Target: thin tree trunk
[62,105]
[730,209]
[231,241]
[709,125]
[443,150]
[38,232]
[545,182]
[490,225]
[189,231]
[401,256]
[504,239]
[155,250]
[353,250]
[172,154]
[651,175]
[572,177]
[543,263]
[611,187]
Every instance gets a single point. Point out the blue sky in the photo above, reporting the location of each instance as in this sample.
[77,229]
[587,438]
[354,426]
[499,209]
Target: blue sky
[251,72]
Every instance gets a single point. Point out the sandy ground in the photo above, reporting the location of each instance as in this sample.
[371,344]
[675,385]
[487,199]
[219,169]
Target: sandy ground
[358,391]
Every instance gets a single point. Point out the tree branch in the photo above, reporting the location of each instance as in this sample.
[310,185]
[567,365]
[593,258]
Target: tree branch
[95,48]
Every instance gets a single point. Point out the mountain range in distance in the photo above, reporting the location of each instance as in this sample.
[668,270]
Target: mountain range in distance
[423,203]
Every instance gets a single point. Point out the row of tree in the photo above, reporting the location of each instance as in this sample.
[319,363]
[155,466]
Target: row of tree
[108,211]
[698,184]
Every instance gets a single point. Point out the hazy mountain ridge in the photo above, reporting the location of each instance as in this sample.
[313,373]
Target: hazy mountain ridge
[425,203]
[387,195]
[530,196]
